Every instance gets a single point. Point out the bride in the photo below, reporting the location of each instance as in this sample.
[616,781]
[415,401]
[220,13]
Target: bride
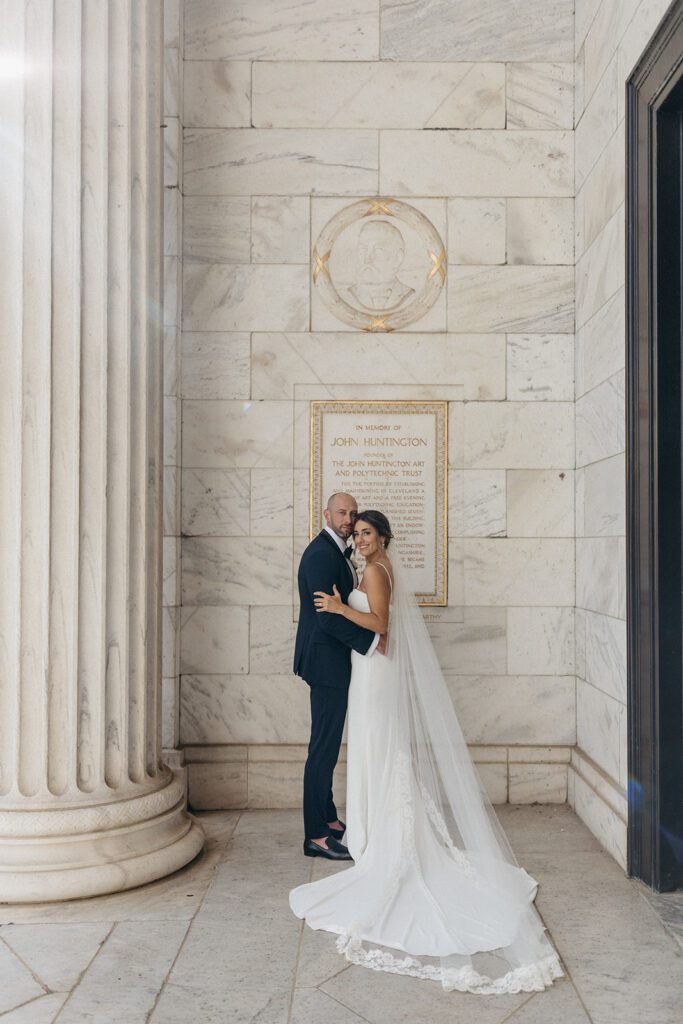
[435,891]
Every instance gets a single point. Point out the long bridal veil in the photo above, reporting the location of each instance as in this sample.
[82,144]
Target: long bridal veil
[439,846]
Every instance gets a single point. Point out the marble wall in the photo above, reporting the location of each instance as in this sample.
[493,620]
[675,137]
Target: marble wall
[609,38]
[288,113]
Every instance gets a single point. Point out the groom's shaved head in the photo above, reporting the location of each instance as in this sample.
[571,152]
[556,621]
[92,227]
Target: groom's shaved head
[340,513]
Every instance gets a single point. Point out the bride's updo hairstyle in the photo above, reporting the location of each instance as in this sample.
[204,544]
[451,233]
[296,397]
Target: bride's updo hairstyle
[380,523]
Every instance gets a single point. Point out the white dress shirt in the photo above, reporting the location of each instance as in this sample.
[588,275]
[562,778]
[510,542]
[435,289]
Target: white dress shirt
[342,545]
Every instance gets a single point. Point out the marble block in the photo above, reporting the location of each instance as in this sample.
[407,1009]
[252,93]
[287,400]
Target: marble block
[540,367]
[216,229]
[602,38]
[515,709]
[327,94]
[538,783]
[279,161]
[169,640]
[271,639]
[495,781]
[475,642]
[216,502]
[244,709]
[540,641]
[172,24]
[600,427]
[173,201]
[220,297]
[216,94]
[600,349]
[171,90]
[601,819]
[171,410]
[172,137]
[540,503]
[605,187]
[215,365]
[171,307]
[476,231]
[604,498]
[605,658]
[540,231]
[518,435]
[169,594]
[425,30]
[236,570]
[476,500]
[217,786]
[171,343]
[272,502]
[225,434]
[540,95]
[280,229]
[597,726]
[515,299]
[601,575]
[214,640]
[171,519]
[600,270]
[272,29]
[597,123]
[505,571]
[169,712]
[475,163]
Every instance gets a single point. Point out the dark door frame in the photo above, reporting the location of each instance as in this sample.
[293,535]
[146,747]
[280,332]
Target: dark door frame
[654,453]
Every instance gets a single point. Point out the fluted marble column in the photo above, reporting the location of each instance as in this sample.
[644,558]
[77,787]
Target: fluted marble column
[86,806]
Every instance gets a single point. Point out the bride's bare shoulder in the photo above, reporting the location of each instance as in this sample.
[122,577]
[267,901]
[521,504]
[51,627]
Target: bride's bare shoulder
[376,572]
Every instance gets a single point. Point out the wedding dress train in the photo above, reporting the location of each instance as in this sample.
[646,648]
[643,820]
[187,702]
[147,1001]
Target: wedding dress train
[435,891]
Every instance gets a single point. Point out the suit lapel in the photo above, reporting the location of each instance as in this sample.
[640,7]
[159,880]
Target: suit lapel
[326,536]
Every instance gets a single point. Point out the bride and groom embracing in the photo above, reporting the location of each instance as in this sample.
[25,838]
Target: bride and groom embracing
[435,891]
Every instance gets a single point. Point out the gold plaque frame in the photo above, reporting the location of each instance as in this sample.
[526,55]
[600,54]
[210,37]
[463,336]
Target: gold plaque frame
[438,596]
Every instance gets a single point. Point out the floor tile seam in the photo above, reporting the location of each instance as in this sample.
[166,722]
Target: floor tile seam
[38,980]
[518,1008]
[85,971]
[295,973]
[343,1004]
[160,990]
[13,1009]
[565,967]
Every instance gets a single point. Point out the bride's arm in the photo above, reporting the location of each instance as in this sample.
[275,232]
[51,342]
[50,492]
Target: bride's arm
[376,587]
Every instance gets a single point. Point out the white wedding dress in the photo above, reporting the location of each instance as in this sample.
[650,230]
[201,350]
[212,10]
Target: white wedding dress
[435,891]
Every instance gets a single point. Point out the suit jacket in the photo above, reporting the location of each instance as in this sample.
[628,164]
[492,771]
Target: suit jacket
[322,652]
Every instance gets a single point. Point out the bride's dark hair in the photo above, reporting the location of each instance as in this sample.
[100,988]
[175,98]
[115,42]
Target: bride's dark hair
[380,523]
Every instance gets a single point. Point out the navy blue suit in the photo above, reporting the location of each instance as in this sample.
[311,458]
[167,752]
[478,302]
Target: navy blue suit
[322,657]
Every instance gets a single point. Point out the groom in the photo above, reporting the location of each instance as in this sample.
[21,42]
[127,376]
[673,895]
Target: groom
[322,657]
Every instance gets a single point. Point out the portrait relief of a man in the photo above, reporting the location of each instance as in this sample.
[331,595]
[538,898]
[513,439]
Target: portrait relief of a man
[380,255]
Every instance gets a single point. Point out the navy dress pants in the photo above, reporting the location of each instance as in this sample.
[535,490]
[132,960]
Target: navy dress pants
[328,711]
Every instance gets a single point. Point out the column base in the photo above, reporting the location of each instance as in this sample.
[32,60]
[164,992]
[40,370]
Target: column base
[76,852]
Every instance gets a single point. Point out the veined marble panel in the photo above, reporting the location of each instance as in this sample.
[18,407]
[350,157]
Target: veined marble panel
[601,575]
[603,822]
[224,434]
[220,297]
[169,593]
[172,221]
[277,161]
[236,570]
[476,231]
[600,427]
[216,229]
[171,333]
[540,641]
[540,95]
[169,711]
[171,308]
[600,345]
[384,94]
[540,231]
[272,503]
[171,518]
[216,94]
[600,271]
[521,435]
[169,640]
[476,500]
[578,225]
[215,365]
[597,123]
[271,639]
[515,709]
[482,30]
[172,141]
[172,24]
[506,571]
[540,367]
[280,229]
[516,299]
[602,38]
[272,29]
[605,665]
[605,187]
[495,781]
[477,362]
[474,645]
[537,783]
[580,641]
[171,82]
[540,503]
[171,410]
[244,709]
[214,640]
[604,498]
[216,502]
[597,726]
[475,163]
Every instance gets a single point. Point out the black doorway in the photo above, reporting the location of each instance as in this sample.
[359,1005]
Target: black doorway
[654,453]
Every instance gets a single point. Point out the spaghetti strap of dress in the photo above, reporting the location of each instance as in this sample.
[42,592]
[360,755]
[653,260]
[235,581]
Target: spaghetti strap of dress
[391,586]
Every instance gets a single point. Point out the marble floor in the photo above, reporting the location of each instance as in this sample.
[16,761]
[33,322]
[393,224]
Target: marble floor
[216,942]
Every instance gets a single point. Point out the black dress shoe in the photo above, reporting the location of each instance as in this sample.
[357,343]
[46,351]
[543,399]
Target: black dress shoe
[338,833]
[335,850]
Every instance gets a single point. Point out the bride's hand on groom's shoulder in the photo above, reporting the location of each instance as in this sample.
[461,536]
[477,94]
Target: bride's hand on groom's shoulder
[328,602]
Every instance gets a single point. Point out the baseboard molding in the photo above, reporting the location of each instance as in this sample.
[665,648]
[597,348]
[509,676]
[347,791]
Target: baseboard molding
[600,803]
